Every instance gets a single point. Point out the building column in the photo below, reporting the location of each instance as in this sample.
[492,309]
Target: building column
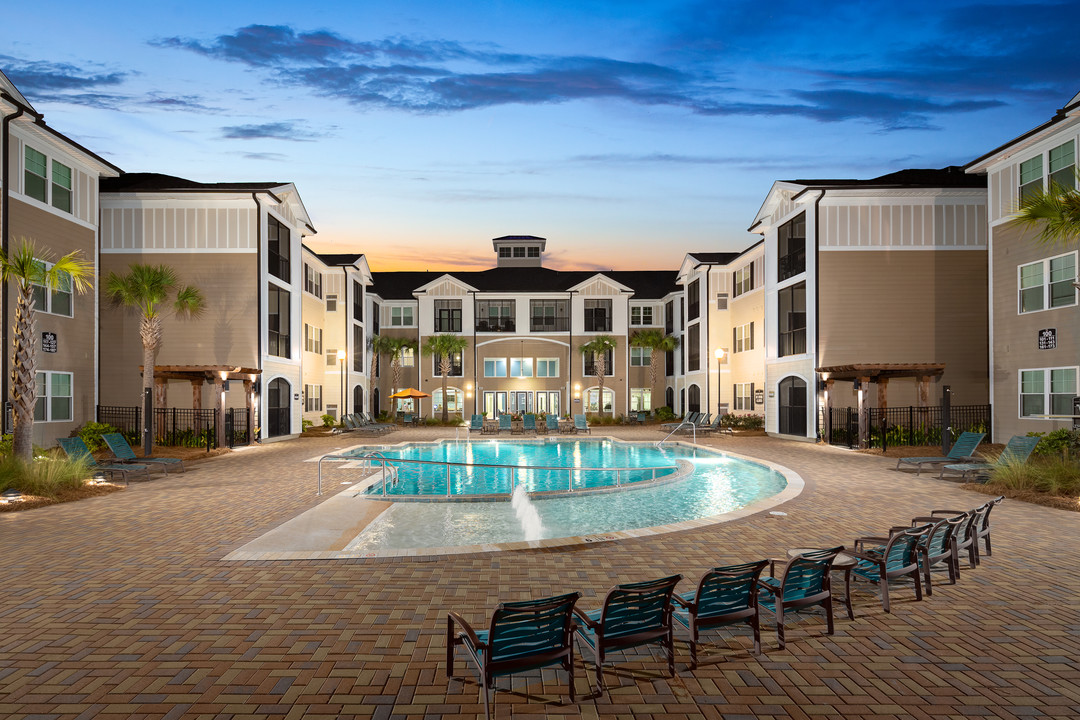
[196,394]
[864,418]
[828,411]
[219,404]
[249,403]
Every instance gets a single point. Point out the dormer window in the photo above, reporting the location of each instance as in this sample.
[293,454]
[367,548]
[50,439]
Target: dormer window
[504,252]
[519,252]
[534,251]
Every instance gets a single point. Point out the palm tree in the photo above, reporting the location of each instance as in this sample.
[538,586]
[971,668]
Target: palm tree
[148,288]
[652,339]
[444,346]
[377,346]
[598,347]
[394,346]
[1054,212]
[27,270]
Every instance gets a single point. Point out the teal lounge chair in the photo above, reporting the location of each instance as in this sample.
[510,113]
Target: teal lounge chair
[724,596]
[1018,450]
[883,559]
[408,419]
[581,425]
[505,425]
[552,422]
[528,423]
[962,450]
[632,615]
[522,636]
[476,424]
[803,582]
[123,452]
[75,448]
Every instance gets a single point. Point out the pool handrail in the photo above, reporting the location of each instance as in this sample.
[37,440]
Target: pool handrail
[677,428]
[385,464]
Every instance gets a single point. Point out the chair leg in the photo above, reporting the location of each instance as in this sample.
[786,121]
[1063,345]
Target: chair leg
[987,539]
[829,623]
[450,645]
[926,574]
[780,623]
[757,633]
[570,670]
[693,645]
[918,585]
[884,583]
[599,668]
[671,650]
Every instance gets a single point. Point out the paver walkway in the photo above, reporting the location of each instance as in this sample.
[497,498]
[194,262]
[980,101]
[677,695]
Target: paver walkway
[121,607]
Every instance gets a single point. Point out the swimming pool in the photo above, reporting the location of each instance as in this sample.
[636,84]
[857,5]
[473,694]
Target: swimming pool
[719,484]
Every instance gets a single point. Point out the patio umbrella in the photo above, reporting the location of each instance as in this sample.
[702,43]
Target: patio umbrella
[410,394]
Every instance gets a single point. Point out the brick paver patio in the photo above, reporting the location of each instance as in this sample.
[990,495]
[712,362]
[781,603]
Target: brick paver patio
[121,606]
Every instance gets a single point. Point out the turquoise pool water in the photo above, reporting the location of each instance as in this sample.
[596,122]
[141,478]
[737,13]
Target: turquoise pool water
[719,484]
[609,464]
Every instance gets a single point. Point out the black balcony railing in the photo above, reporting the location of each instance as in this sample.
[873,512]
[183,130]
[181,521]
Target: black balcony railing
[495,325]
[789,266]
[549,325]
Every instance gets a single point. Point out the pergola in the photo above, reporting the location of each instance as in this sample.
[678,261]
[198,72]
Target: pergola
[214,374]
[880,374]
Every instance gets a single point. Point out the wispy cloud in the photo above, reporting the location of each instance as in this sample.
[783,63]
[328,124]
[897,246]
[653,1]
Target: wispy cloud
[46,77]
[270,131]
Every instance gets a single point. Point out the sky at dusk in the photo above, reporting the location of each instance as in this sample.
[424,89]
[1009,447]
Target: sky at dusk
[627,133]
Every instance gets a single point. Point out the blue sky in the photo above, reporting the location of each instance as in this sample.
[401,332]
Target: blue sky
[627,133]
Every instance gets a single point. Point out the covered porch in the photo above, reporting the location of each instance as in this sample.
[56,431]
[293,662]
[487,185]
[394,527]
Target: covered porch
[218,377]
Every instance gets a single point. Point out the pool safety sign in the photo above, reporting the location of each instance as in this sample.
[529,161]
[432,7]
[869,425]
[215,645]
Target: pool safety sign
[1048,339]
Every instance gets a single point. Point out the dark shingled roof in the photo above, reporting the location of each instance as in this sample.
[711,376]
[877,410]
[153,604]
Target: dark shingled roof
[336,259]
[715,257]
[647,284]
[519,237]
[948,177]
[156,182]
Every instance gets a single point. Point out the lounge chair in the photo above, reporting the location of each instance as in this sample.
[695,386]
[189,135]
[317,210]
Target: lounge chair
[633,614]
[885,559]
[704,420]
[642,417]
[385,427]
[724,596]
[804,582]
[75,448]
[1018,450]
[124,454]
[940,544]
[476,424]
[522,636]
[962,450]
[581,425]
[528,423]
[552,423]
[505,424]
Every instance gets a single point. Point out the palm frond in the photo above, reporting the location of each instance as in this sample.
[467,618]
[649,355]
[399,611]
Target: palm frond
[189,302]
[1054,212]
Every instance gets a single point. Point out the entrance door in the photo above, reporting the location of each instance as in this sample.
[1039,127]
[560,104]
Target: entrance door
[278,408]
[358,398]
[793,406]
[519,402]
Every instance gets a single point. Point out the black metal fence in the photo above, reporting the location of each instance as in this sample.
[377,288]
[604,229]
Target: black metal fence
[237,423]
[183,427]
[903,425]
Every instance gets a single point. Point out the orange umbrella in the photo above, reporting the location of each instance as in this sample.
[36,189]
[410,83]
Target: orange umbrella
[410,393]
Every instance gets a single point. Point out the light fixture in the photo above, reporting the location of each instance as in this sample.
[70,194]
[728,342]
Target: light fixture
[10,496]
[98,478]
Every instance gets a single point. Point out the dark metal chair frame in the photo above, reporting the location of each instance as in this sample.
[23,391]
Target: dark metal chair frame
[724,596]
[891,558]
[805,581]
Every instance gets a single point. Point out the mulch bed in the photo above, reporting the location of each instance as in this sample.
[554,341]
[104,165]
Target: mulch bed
[87,491]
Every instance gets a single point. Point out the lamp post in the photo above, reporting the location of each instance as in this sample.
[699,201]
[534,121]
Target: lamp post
[341,382]
[719,381]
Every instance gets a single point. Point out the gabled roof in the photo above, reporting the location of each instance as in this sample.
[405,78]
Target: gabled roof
[9,87]
[952,176]
[714,258]
[1071,111]
[646,284]
[157,182]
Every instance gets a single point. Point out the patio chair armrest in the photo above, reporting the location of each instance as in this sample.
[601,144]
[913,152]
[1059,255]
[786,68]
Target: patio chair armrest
[871,556]
[762,585]
[685,603]
[466,628]
[589,622]
[860,543]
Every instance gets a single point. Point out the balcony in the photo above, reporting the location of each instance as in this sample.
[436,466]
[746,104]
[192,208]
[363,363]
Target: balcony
[789,266]
[549,325]
[495,325]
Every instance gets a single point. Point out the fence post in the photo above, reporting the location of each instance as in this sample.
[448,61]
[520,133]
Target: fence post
[946,419]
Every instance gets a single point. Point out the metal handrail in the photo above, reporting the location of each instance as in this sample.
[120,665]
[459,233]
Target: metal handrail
[677,428]
[385,464]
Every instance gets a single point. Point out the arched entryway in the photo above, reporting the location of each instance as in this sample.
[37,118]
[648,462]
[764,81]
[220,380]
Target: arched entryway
[278,408]
[694,399]
[792,406]
[358,398]
[669,398]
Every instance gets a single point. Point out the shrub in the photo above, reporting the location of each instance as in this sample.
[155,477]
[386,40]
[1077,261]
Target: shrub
[44,477]
[91,434]
[328,420]
[1047,474]
[1059,442]
[664,414]
[305,424]
[743,422]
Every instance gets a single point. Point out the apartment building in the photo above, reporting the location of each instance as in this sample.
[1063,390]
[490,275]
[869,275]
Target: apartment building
[1032,293]
[334,360]
[49,196]
[879,282]
[240,244]
[525,325]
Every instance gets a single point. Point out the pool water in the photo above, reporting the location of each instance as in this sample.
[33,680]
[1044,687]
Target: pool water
[609,463]
[718,484]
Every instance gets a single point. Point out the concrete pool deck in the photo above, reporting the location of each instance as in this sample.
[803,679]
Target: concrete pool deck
[123,606]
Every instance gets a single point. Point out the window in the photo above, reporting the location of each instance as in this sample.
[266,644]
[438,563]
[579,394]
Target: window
[534,251]
[742,280]
[742,337]
[592,403]
[504,252]
[597,316]
[61,186]
[521,367]
[358,303]
[375,319]
[54,302]
[358,348]
[744,396]
[693,300]
[331,303]
[312,281]
[641,315]
[313,398]
[312,339]
[495,367]
[548,316]
[1047,283]
[456,366]
[693,347]
[791,318]
[721,301]
[791,241]
[1039,397]
[640,399]
[277,322]
[640,356]
[408,357]
[519,252]
[331,357]
[401,317]
[1063,165]
[495,316]
[35,178]
[547,367]
[455,400]
[448,316]
[54,397]
[278,243]
[669,364]
[589,368]
[669,317]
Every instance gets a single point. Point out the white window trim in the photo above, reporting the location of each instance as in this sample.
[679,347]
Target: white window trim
[1045,155]
[1046,389]
[1046,283]
[644,356]
[49,293]
[390,316]
[48,396]
[521,367]
[315,273]
[536,367]
[49,159]
[495,367]
[639,394]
